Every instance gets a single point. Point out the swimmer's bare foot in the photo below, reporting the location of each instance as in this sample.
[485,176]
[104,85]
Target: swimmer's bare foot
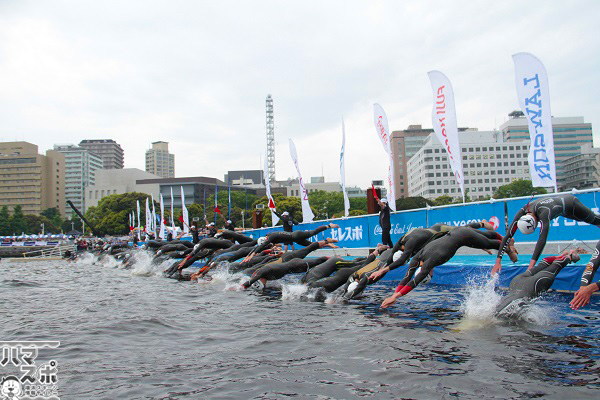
[332,225]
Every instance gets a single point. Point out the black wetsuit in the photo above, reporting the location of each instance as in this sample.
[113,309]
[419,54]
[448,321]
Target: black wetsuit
[591,268]
[273,272]
[212,231]
[229,226]
[386,226]
[325,269]
[532,283]
[288,224]
[545,210]
[441,250]
[341,276]
[416,238]
[245,265]
[284,257]
[195,235]
[235,236]
[300,237]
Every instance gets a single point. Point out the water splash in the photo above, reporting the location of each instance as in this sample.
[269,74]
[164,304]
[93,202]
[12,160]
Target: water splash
[294,291]
[481,300]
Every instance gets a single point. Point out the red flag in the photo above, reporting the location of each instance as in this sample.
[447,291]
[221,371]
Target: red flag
[181,219]
[271,203]
[374,192]
[217,209]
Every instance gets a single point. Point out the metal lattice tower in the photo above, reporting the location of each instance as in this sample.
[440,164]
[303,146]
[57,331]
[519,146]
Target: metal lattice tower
[270,139]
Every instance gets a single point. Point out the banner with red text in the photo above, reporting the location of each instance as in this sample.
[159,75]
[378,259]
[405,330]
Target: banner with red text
[383,131]
[443,117]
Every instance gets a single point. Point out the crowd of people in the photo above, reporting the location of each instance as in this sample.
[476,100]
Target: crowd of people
[272,257]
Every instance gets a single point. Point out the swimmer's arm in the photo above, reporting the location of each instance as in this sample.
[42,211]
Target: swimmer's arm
[541,243]
[510,233]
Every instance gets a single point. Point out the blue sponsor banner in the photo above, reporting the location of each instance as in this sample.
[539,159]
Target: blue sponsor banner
[461,215]
[561,229]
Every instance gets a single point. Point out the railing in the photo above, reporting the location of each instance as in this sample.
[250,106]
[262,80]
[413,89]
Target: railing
[56,251]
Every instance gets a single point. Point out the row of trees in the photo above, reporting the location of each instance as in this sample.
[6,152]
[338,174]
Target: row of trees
[50,221]
[111,216]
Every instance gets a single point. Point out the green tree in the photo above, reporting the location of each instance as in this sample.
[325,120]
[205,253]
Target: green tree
[518,188]
[17,220]
[443,200]
[54,217]
[410,203]
[5,229]
[111,216]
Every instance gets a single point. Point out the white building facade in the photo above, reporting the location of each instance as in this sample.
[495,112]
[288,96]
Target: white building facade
[81,166]
[119,181]
[159,161]
[488,163]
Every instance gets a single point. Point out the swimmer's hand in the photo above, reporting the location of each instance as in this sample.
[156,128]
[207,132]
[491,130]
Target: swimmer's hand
[531,264]
[377,274]
[497,267]
[582,296]
[487,225]
[194,276]
[390,300]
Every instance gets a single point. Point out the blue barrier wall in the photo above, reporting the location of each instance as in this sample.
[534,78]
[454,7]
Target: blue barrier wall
[365,231]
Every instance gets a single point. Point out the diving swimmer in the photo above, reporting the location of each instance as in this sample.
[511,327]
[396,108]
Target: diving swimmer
[543,211]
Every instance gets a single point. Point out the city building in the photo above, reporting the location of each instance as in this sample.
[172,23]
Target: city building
[119,181]
[159,161]
[110,151]
[80,172]
[33,181]
[355,191]
[316,183]
[488,163]
[195,189]
[583,170]
[570,133]
[245,178]
[404,145]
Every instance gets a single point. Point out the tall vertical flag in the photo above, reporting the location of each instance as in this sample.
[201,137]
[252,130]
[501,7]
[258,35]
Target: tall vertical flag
[228,198]
[172,216]
[343,172]
[153,215]
[307,214]
[443,117]
[130,224]
[383,131]
[162,234]
[139,223]
[185,219]
[534,98]
[217,211]
[148,217]
[270,201]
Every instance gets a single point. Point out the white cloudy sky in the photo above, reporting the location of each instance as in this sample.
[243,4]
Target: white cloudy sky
[196,73]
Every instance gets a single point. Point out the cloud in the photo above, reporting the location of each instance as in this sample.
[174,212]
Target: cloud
[196,74]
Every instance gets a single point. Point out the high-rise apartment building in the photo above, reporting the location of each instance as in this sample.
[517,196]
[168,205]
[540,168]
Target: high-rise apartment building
[110,151]
[80,172]
[159,161]
[570,133]
[404,145]
[33,181]
[583,170]
[488,163]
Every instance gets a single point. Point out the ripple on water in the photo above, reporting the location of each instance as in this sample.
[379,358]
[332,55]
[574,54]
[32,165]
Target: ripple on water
[133,334]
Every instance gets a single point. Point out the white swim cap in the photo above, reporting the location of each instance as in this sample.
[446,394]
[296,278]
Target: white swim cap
[228,221]
[426,279]
[261,240]
[196,247]
[384,200]
[397,255]
[285,213]
[352,286]
[527,224]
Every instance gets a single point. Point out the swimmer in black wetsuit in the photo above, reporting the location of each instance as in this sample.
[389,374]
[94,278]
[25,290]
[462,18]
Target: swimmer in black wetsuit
[346,270]
[234,236]
[272,272]
[543,211]
[300,237]
[534,282]
[439,252]
[411,243]
[587,288]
